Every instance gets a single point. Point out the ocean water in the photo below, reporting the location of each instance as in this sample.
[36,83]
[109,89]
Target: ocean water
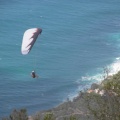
[79,39]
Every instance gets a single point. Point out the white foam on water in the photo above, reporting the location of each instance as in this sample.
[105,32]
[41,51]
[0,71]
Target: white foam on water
[111,69]
[98,77]
[115,66]
[117,58]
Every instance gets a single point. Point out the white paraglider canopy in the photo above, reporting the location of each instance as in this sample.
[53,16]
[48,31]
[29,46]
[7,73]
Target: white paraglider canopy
[29,39]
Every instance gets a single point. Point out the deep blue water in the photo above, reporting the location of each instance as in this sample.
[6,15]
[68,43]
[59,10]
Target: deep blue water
[79,38]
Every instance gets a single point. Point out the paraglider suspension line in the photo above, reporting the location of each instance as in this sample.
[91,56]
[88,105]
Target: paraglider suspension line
[35,60]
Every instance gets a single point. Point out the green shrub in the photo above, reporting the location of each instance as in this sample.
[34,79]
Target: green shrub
[49,116]
[18,115]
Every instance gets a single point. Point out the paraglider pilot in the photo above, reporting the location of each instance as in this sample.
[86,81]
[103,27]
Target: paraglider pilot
[33,74]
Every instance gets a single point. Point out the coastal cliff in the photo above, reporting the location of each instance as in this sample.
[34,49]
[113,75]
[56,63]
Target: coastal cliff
[100,102]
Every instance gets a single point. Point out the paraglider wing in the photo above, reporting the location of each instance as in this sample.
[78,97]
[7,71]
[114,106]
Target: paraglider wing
[29,39]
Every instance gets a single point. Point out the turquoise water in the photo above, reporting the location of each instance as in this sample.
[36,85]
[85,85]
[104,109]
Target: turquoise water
[79,38]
